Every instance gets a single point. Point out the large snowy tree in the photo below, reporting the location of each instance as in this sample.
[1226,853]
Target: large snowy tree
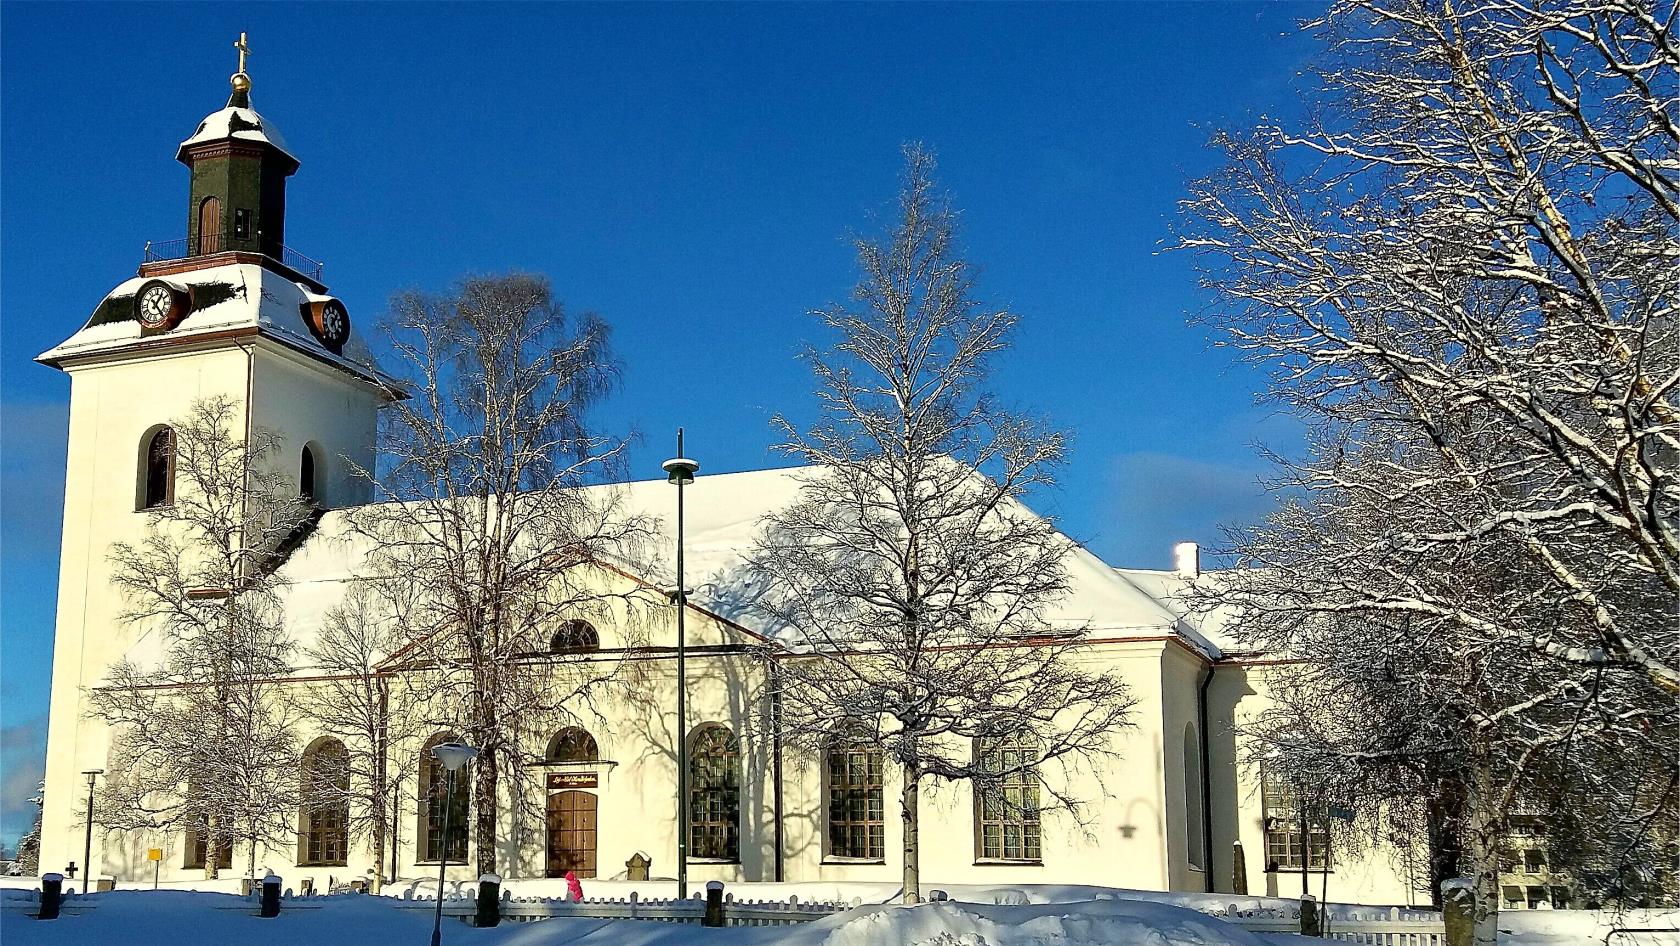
[485,537]
[1461,270]
[908,568]
[201,740]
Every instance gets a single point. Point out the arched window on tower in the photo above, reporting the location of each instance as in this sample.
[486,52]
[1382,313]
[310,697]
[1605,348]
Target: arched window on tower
[209,226]
[323,834]
[714,794]
[157,468]
[306,475]
[575,636]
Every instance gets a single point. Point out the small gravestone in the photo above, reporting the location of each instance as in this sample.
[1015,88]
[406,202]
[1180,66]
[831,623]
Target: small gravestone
[637,866]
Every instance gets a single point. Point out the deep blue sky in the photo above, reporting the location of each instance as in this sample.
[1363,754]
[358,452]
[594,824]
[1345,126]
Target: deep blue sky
[688,172]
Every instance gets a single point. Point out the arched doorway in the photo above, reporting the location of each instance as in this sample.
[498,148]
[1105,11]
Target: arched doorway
[209,226]
[571,833]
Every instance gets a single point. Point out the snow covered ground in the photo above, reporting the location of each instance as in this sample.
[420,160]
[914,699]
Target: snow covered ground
[1043,915]
[169,917]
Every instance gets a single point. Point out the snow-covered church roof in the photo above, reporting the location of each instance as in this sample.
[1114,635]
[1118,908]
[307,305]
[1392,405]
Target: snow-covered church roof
[723,516]
[239,295]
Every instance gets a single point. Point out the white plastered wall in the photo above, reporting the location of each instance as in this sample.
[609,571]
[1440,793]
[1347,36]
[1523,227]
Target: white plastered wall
[112,406]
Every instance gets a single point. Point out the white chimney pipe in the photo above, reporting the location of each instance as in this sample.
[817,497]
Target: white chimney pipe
[1187,560]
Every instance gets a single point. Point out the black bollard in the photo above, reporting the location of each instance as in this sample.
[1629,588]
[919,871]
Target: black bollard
[714,904]
[489,901]
[271,896]
[1312,922]
[52,894]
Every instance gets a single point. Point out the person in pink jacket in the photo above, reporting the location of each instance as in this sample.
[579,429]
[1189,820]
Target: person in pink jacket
[574,889]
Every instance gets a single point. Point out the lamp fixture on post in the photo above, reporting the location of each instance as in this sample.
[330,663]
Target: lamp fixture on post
[453,756]
[679,472]
[87,848]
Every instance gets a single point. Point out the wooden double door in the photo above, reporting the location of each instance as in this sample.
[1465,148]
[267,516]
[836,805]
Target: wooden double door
[571,833]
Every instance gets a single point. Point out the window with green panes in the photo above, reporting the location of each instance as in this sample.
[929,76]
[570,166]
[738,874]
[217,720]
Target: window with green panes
[1006,806]
[856,827]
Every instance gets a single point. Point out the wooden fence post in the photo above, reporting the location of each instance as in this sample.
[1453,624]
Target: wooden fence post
[1239,870]
[270,895]
[52,894]
[714,904]
[489,900]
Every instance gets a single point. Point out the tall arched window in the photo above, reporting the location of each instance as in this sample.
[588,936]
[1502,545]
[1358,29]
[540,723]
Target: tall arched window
[209,226]
[575,636]
[714,794]
[572,744]
[324,809]
[1006,805]
[1194,827]
[157,468]
[306,474]
[856,827]
[434,796]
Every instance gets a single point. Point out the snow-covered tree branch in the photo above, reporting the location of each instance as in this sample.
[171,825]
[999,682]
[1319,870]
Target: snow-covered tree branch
[1462,271]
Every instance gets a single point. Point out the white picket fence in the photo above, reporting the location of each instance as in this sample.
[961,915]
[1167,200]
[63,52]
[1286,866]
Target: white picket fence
[1374,926]
[464,905]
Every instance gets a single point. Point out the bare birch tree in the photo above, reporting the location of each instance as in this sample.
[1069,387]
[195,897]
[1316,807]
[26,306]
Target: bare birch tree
[1461,270]
[908,569]
[200,740]
[487,535]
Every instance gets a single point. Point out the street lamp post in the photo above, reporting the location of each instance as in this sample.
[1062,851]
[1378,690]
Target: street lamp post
[453,755]
[87,847]
[679,472]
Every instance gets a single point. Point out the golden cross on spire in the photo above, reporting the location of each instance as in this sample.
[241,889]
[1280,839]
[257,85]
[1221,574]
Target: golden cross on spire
[244,48]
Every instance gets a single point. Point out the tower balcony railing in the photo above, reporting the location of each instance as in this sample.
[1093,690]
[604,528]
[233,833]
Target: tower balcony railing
[159,251]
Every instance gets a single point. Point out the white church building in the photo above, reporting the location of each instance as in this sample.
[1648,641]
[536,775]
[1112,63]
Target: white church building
[232,312]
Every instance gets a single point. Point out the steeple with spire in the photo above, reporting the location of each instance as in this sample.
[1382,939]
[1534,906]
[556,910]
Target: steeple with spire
[239,168]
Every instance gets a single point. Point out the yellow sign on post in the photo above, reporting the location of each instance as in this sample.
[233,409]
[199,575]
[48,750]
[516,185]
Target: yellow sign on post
[154,854]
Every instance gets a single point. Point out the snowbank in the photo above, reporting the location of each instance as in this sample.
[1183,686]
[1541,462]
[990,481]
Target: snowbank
[168,917]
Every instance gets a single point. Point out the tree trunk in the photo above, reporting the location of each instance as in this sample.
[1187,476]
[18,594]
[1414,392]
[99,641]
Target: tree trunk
[909,800]
[484,810]
[1444,824]
[1486,830]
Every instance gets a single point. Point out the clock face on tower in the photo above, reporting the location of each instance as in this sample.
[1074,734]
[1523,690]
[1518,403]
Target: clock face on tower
[329,321]
[158,305]
[335,323]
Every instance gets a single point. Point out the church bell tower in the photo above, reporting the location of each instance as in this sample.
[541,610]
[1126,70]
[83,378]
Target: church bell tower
[228,312]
